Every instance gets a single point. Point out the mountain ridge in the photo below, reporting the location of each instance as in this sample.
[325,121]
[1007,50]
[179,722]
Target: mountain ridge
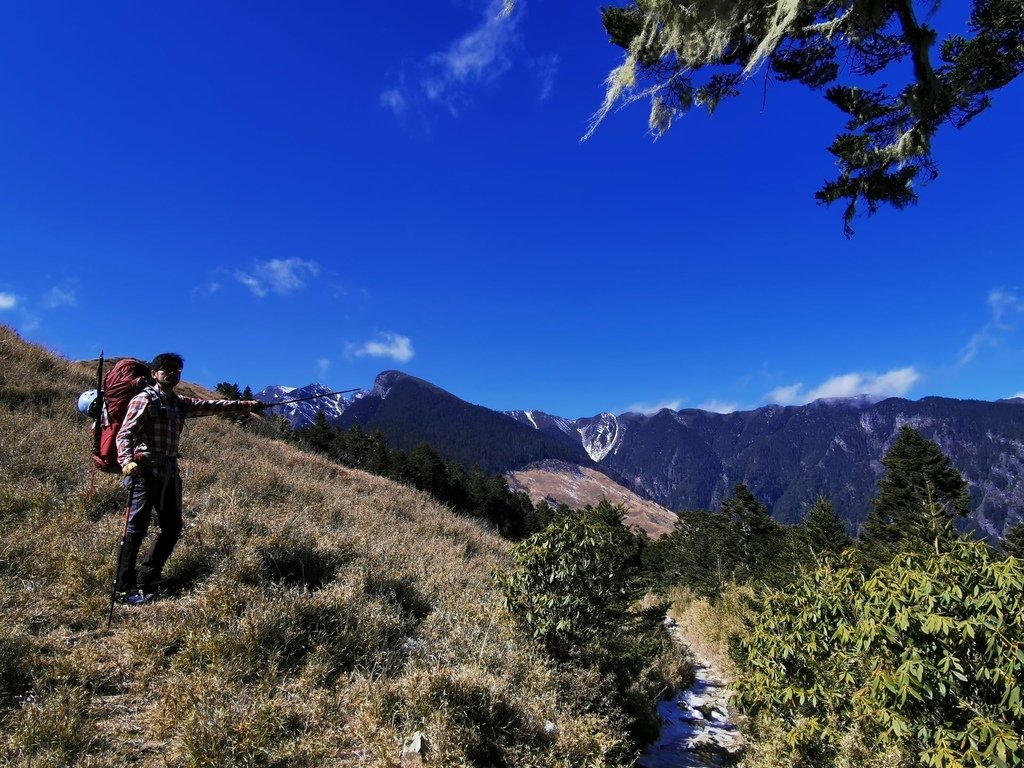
[692,459]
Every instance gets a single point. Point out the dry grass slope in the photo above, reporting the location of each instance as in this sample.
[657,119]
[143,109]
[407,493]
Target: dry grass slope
[325,614]
[578,487]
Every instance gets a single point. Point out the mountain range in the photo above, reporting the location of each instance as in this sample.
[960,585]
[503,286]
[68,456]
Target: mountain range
[691,459]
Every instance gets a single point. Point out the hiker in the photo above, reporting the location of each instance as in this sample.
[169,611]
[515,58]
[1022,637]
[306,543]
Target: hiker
[147,450]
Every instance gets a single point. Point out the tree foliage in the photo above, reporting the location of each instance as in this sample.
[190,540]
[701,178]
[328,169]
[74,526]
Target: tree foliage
[823,532]
[1013,542]
[697,553]
[228,391]
[573,584]
[699,53]
[576,587]
[920,663]
[759,544]
[918,497]
[741,544]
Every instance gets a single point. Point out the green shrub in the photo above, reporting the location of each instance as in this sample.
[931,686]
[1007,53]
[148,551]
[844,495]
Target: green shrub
[573,583]
[924,659]
[576,587]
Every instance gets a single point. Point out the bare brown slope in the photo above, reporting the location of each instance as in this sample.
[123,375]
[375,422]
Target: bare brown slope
[576,486]
[324,614]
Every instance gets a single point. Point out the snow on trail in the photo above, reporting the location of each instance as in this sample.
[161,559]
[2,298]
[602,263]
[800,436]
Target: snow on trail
[696,730]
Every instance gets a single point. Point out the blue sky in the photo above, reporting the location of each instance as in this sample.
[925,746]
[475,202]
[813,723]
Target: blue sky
[319,191]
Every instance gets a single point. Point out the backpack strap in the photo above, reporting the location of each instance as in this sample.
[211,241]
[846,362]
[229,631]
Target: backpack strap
[157,404]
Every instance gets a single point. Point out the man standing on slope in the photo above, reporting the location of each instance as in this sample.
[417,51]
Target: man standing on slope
[147,450]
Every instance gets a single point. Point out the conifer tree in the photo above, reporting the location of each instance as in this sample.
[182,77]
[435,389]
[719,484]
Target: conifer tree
[876,62]
[229,391]
[1013,542]
[757,538]
[918,497]
[823,531]
[427,471]
[319,435]
[699,553]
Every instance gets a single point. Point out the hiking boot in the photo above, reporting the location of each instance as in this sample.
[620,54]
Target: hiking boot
[136,597]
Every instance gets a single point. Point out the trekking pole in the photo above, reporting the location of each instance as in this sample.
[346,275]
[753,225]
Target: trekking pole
[120,551]
[311,397]
[97,427]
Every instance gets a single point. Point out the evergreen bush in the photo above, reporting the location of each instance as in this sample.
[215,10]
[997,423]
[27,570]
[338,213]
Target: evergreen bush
[920,663]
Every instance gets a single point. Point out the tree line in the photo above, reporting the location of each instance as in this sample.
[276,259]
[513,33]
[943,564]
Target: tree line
[467,491]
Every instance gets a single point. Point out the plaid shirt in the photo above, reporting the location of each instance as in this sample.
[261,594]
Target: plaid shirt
[154,421]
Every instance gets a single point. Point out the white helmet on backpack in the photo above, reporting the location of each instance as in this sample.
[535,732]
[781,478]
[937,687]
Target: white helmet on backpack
[86,401]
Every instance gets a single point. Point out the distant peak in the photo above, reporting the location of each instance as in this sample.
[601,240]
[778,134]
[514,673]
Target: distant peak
[862,400]
[386,380]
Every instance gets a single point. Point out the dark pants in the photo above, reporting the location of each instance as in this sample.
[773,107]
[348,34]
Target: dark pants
[154,488]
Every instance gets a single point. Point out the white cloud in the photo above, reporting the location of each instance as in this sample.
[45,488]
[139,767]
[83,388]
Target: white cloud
[393,100]
[719,406]
[1019,394]
[287,275]
[480,56]
[58,297]
[1005,307]
[252,284]
[322,366]
[8,301]
[545,69]
[790,395]
[398,348]
[894,383]
[280,276]
[647,409]
[844,385]
[206,290]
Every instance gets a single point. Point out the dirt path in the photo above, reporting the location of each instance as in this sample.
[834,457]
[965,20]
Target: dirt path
[697,731]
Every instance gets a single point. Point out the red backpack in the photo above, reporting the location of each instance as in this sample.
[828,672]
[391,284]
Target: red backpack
[124,381]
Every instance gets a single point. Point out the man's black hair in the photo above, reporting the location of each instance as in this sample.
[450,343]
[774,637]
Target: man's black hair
[167,360]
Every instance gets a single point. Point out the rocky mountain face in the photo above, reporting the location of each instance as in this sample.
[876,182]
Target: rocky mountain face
[692,459]
[787,456]
[301,414]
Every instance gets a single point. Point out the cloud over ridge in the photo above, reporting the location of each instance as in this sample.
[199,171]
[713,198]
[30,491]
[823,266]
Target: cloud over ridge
[894,383]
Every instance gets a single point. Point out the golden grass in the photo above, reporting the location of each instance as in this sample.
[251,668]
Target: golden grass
[325,614]
[709,627]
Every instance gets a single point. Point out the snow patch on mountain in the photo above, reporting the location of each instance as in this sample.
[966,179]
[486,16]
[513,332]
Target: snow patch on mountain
[544,422]
[302,414]
[600,435]
[523,417]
